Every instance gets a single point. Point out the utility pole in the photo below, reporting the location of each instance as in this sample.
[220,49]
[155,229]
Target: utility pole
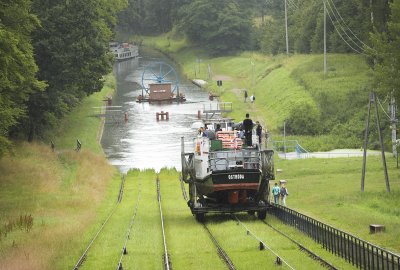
[287,37]
[393,122]
[252,75]
[372,12]
[372,99]
[284,137]
[324,37]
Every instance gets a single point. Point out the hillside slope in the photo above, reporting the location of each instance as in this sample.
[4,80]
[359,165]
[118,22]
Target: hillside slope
[330,107]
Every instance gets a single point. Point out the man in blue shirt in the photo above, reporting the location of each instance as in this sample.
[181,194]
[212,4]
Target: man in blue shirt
[276,192]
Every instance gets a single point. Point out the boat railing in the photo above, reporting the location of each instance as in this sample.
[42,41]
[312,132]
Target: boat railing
[226,160]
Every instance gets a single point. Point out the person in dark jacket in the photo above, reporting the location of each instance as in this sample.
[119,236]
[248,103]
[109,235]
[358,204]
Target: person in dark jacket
[248,128]
[259,132]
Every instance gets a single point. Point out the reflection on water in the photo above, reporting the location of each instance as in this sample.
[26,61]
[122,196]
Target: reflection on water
[143,142]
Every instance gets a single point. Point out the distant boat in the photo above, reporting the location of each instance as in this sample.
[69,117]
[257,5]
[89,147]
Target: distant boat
[123,51]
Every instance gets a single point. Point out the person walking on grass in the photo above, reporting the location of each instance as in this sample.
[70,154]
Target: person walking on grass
[276,191]
[245,95]
[284,192]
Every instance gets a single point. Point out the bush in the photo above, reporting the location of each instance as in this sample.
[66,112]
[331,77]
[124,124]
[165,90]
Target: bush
[303,120]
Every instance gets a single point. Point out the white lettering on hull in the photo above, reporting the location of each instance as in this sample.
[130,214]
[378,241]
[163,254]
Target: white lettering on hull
[236,176]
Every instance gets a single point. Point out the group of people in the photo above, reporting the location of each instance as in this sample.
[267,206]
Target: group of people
[252,97]
[280,192]
[205,132]
[245,133]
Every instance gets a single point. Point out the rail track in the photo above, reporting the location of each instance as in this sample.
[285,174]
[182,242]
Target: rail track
[167,262]
[128,233]
[311,254]
[221,252]
[119,199]
[279,259]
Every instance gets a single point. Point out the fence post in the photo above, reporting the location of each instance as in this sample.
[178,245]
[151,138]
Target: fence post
[78,145]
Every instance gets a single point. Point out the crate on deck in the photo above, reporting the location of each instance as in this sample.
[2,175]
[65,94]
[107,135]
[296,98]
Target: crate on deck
[230,139]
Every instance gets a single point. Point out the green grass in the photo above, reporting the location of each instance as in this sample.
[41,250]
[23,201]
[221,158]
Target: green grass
[66,193]
[145,245]
[329,190]
[106,251]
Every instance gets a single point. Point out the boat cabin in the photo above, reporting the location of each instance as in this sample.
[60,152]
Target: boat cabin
[160,91]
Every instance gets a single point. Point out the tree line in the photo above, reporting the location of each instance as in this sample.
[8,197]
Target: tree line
[227,26]
[52,54]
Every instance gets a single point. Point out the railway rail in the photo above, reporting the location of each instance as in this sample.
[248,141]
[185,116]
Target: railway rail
[119,199]
[323,262]
[167,262]
[279,259]
[128,233]
[221,252]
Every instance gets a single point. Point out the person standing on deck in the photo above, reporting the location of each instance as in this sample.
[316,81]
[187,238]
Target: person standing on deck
[259,132]
[248,129]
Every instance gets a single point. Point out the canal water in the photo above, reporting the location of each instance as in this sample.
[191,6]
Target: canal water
[143,142]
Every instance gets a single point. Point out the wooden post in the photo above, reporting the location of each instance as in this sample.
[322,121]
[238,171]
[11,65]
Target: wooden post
[372,98]
[382,147]
[78,145]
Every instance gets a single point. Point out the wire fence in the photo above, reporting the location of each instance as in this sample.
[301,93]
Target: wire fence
[356,251]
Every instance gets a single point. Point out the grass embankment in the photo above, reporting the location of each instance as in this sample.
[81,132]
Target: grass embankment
[281,84]
[64,192]
[329,190]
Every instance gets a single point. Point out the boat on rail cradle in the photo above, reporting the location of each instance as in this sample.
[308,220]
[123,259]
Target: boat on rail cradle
[226,176]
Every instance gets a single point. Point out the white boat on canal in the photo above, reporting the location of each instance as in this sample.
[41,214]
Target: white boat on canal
[123,51]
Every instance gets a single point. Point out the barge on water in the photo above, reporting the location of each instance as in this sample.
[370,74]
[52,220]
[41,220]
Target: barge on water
[225,176]
[160,83]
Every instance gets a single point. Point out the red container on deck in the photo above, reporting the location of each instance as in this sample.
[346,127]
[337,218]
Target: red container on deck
[234,197]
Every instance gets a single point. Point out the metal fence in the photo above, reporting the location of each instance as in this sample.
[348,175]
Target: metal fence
[353,249]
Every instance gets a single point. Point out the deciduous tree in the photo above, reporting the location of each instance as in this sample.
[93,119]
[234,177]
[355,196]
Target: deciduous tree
[72,54]
[17,66]
[386,52]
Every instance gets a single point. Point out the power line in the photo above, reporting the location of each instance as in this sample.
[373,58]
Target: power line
[383,108]
[344,31]
[293,4]
[337,11]
[341,34]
